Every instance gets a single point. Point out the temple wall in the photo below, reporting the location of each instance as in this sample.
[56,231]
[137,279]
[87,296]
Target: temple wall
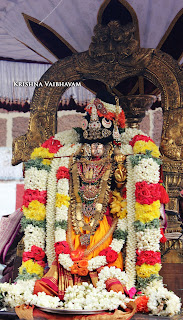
[14,124]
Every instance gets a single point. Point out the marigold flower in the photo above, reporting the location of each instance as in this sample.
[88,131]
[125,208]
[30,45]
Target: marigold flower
[46,162]
[62,199]
[41,153]
[146,270]
[147,212]
[32,267]
[142,146]
[35,210]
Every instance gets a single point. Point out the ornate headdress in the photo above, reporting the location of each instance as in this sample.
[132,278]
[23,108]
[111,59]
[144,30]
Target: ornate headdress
[103,122]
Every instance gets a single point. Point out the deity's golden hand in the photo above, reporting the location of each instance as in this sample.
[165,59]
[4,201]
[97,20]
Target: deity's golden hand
[120,173]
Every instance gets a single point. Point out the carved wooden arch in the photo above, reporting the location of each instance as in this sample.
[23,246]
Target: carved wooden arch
[110,66]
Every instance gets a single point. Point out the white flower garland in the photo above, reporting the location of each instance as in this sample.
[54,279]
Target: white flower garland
[50,212]
[131,239]
[147,170]
[34,236]
[128,135]
[87,297]
[67,137]
[21,293]
[65,260]
[36,179]
[82,297]
[149,239]
[16,294]
[161,301]
[112,272]
[61,213]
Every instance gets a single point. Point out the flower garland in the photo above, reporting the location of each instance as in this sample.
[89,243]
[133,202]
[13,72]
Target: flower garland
[147,207]
[161,302]
[87,297]
[34,209]
[78,297]
[149,194]
[142,206]
[109,273]
[58,199]
[57,210]
[131,239]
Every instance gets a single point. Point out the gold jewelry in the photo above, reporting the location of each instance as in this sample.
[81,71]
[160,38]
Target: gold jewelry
[90,187]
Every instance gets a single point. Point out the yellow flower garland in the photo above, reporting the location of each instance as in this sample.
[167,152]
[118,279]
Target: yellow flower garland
[41,153]
[147,212]
[62,199]
[145,270]
[141,147]
[32,267]
[35,210]
[118,205]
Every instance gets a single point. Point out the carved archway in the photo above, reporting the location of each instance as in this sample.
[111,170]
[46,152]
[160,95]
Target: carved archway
[110,59]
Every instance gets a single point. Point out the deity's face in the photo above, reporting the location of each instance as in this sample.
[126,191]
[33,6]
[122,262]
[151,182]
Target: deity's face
[97,150]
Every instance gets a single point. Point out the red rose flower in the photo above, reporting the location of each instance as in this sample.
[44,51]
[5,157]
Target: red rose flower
[104,252]
[147,193]
[30,195]
[62,172]
[52,145]
[77,255]
[111,256]
[27,256]
[139,137]
[148,257]
[62,247]
[39,254]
